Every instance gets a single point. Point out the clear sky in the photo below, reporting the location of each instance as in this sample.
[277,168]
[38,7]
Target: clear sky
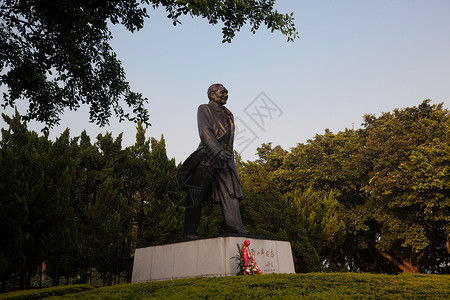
[353,57]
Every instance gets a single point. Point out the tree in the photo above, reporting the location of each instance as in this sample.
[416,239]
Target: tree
[163,221]
[383,193]
[104,218]
[56,54]
[19,166]
[407,193]
[145,181]
[312,220]
[54,216]
[315,228]
[35,199]
[263,208]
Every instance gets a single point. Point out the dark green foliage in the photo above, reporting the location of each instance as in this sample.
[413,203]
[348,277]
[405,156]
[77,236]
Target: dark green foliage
[47,292]
[233,14]
[282,286]
[78,206]
[263,208]
[211,222]
[147,175]
[35,200]
[57,55]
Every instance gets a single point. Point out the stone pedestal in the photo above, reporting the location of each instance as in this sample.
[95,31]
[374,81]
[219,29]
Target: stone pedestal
[209,257]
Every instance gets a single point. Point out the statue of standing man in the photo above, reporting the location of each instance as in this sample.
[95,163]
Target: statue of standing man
[210,172]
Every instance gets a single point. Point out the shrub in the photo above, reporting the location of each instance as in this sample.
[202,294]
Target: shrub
[46,292]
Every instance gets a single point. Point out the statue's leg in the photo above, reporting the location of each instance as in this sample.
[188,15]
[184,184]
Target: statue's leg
[232,215]
[198,189]
[192,217]
[229,204]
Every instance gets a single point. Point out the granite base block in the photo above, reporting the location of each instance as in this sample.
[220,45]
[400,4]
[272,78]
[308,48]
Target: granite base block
[209,257]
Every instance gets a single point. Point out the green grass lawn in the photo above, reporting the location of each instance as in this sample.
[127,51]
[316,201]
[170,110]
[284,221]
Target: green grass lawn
[280,286]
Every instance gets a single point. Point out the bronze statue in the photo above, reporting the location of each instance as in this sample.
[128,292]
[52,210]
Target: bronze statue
[210,172]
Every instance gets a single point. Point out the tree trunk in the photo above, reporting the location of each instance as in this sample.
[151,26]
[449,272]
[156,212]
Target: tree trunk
[28,280]
[447,244]
[405,266]
[40,277]
[21,280]
[361,262]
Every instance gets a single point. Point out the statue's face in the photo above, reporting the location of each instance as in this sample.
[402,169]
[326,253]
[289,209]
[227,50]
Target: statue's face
[220,96]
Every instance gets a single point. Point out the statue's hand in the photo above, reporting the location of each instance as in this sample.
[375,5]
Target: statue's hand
[225,155]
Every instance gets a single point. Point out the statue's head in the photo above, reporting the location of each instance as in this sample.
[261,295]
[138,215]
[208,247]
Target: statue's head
[218,93]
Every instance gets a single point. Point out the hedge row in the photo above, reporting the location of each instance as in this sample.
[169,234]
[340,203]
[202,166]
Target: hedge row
[285,286]
[47,292]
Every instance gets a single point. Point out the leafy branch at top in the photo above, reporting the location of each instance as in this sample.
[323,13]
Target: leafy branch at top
[56,54]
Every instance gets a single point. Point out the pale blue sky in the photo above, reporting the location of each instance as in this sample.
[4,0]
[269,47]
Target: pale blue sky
[353,57]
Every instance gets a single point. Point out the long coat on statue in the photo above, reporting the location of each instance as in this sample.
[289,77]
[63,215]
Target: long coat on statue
[216,129]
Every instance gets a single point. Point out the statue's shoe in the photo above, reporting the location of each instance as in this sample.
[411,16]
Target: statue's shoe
[242,231]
